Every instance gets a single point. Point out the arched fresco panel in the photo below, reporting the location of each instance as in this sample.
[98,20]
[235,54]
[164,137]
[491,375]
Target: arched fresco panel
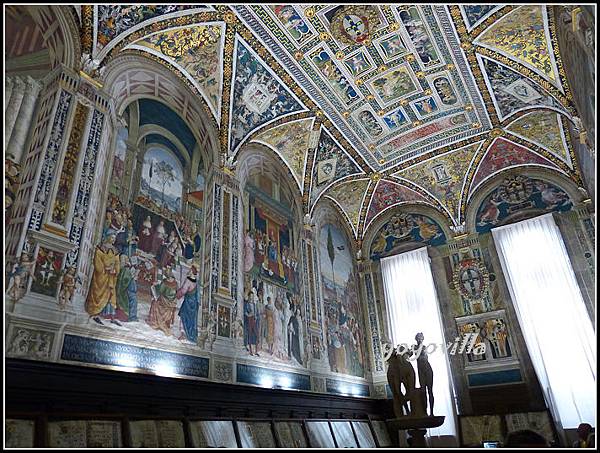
[517,194]
[272,316]
[403,227]
[343,324]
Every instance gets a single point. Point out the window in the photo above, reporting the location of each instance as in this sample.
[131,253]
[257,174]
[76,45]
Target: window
[558,332]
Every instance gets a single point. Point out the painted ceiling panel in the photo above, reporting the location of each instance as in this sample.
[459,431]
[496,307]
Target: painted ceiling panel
[543,128]
[475,14]
[522,35]
[512,91]
[290,140]
[331,164]
[392,80]
[350,196]
[444,176]
[502,154]
[115,21]
[258,96]
[404,95]
[197,50]
[388,194]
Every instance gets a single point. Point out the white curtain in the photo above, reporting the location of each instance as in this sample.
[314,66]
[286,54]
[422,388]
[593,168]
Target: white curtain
[412,307]
[558,332]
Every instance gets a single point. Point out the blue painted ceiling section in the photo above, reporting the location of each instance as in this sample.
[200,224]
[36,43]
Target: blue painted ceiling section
[162,140]
[155,112]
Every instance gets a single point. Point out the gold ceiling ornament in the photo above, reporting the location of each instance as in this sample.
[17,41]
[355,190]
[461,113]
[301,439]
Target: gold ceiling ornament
[309,13]
[346,114]
[371,147]
[370,97]
[299,55]
[496,132]
[475,125]
[466,45]
[382,161]
[340,55]
[403,102]
[376,176]
[420,74]
[382,68]
[410,58]
[468,107]
[461,29]
[359,82]
[427,91]
[319,113]
[323,36]
[229,17]
[450,66]
[381,112]
[354,24]
[394,26]
[417,123]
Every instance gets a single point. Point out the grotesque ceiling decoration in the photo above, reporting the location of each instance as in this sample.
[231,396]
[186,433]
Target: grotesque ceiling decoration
[370,106]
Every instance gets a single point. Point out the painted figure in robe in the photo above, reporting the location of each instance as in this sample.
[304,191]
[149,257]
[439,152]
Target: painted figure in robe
[189,308]
[101,300]
[164,304]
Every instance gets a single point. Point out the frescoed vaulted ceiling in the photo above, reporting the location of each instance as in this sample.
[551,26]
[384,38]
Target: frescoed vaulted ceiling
[370,106]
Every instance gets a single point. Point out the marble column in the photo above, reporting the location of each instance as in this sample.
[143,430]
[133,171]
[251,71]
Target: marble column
[137,177]
[8,87]
[12,109]
[21,128]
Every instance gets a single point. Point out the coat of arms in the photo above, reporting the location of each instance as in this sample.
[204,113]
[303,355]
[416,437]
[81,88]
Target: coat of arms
[471,279]
[257,96]
[355,24]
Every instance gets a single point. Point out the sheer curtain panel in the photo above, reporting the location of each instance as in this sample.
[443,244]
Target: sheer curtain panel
[558,332]
[412,307]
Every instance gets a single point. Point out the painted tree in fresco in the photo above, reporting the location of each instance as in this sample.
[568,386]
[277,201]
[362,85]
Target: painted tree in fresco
[165,174]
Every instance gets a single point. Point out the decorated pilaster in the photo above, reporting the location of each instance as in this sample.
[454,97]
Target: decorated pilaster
[368,272]
[57,205]
[222,261]
[312,298]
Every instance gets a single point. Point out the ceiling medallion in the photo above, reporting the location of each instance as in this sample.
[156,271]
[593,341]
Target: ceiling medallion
[340,55]
[359,82]
[475,125]
[468,107]
[394,26]
[496,132]
[323,36]
[299,55]
[309,13]
[354,24]
[376,176]
[346,114]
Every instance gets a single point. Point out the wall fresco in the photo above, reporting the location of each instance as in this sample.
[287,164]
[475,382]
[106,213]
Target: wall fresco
[402,228]
[343,312]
